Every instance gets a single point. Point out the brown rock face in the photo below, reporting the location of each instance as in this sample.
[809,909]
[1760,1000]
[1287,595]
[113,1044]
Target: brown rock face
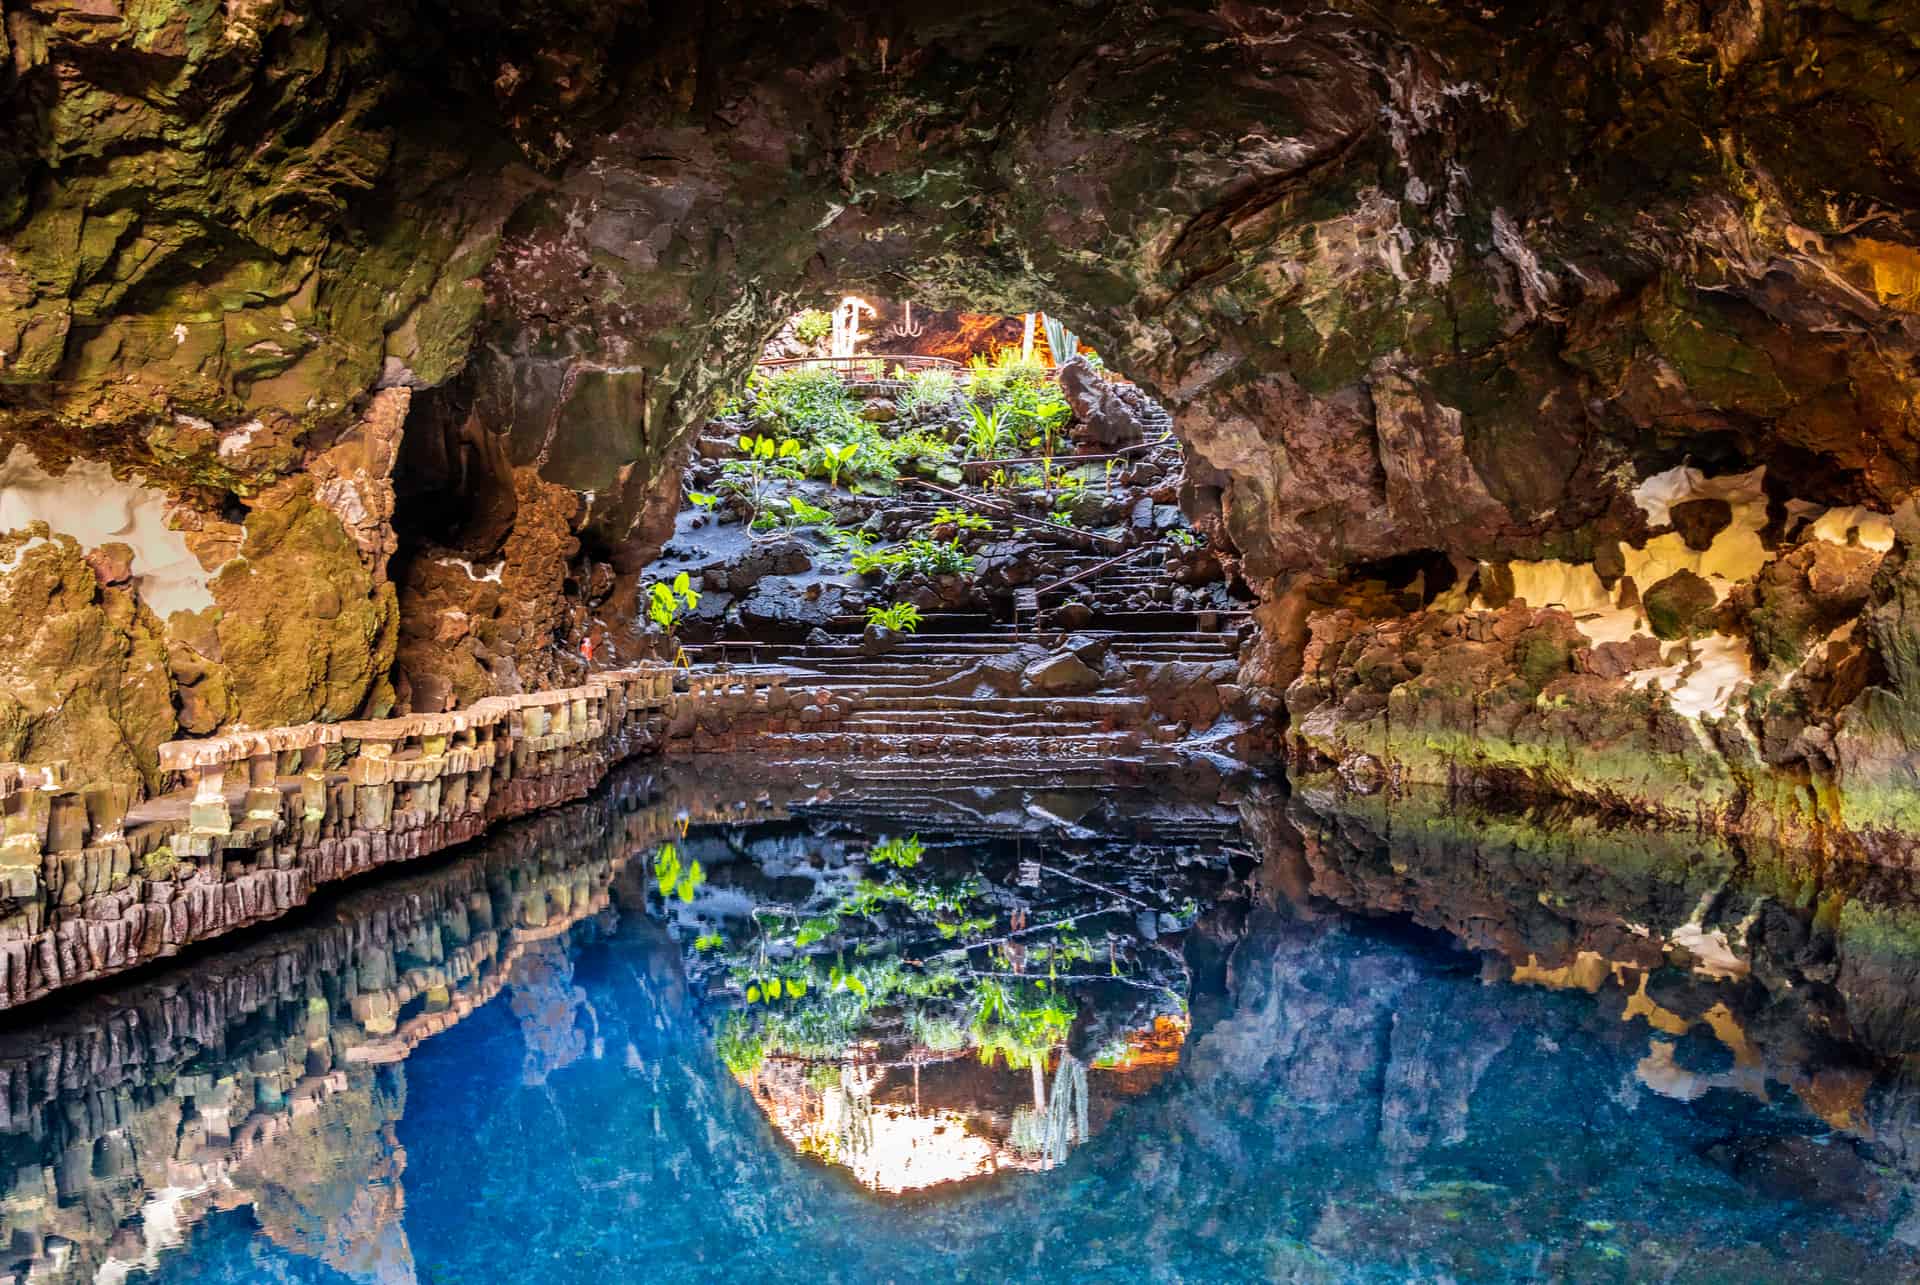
[83,669]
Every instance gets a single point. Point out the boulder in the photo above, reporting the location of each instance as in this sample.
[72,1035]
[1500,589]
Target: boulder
[1699,520]
[741,571]
[1074,615]
[1182,692]
[1110,414]
[784,609]
[1061,674]
[1679,606]
[1090,648]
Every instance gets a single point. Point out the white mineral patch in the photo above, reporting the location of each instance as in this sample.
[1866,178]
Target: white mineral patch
[1659,493]
[1873,530]
[237,441]
[91,505]
[1720,664]
[491,577]
[1712,953]
[1574,587]
[1735,555]
[12,560]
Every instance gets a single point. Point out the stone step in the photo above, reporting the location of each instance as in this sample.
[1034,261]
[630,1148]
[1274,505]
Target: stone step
[1019,706]
[998,640]
[1008,727]
[1110,747]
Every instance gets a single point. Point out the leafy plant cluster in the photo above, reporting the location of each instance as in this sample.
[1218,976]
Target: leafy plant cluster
[812,325]
[668,601]
[901,617]
[917,555]
[1004,404]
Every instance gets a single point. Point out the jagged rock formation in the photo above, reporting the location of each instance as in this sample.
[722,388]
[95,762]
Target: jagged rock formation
[1419,283]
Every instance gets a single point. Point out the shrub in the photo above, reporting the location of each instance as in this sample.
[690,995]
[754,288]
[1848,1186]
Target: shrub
[960,518]
[929,557]
[920,445]
[803,403]
[928,392]
[812,325]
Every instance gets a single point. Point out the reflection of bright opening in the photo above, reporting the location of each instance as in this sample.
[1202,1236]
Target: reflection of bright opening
[916,1124]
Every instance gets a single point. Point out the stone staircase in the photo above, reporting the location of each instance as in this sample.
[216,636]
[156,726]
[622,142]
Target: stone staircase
[958,692]
[964,682]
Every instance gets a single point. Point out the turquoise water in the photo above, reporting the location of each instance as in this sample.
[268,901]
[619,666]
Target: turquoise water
[1356,1098]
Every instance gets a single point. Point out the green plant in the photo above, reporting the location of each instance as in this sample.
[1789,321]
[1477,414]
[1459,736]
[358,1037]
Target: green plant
[827,460]
[984,438]
[666,603]
[1005,376]
[927,392]
[902,854]
[928,557]
[701,499]
[804,403]
[960,518]
[901,617]
[812,325]
[800,513]
[709,941]
[1038,415]
[765,459]
[920,445]
[850,540]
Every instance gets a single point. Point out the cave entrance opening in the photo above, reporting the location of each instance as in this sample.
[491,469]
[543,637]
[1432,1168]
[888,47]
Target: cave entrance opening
[961,493]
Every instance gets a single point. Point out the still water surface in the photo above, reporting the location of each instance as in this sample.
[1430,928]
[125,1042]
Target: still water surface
[784,1026]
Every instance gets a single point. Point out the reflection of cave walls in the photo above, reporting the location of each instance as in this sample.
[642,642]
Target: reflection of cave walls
[267,1077]
[1681,938]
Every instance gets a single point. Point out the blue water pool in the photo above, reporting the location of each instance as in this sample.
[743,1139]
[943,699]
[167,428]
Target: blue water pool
[1139,1052]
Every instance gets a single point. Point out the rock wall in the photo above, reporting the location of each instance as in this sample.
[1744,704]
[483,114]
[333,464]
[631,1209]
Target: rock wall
[1423,283]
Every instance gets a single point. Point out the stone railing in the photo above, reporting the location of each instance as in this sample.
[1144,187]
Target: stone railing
[92,884]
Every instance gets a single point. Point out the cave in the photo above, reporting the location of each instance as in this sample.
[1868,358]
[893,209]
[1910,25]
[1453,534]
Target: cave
[923,573]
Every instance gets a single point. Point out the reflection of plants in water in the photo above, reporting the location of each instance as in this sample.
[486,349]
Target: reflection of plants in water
[889,952]
[741,1043]
[1017,1023]
[901,853]
[1067,1110]
[673,877]
[936,1032]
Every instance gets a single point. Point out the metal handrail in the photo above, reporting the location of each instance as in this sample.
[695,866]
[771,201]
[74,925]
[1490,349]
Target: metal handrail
[878,364]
